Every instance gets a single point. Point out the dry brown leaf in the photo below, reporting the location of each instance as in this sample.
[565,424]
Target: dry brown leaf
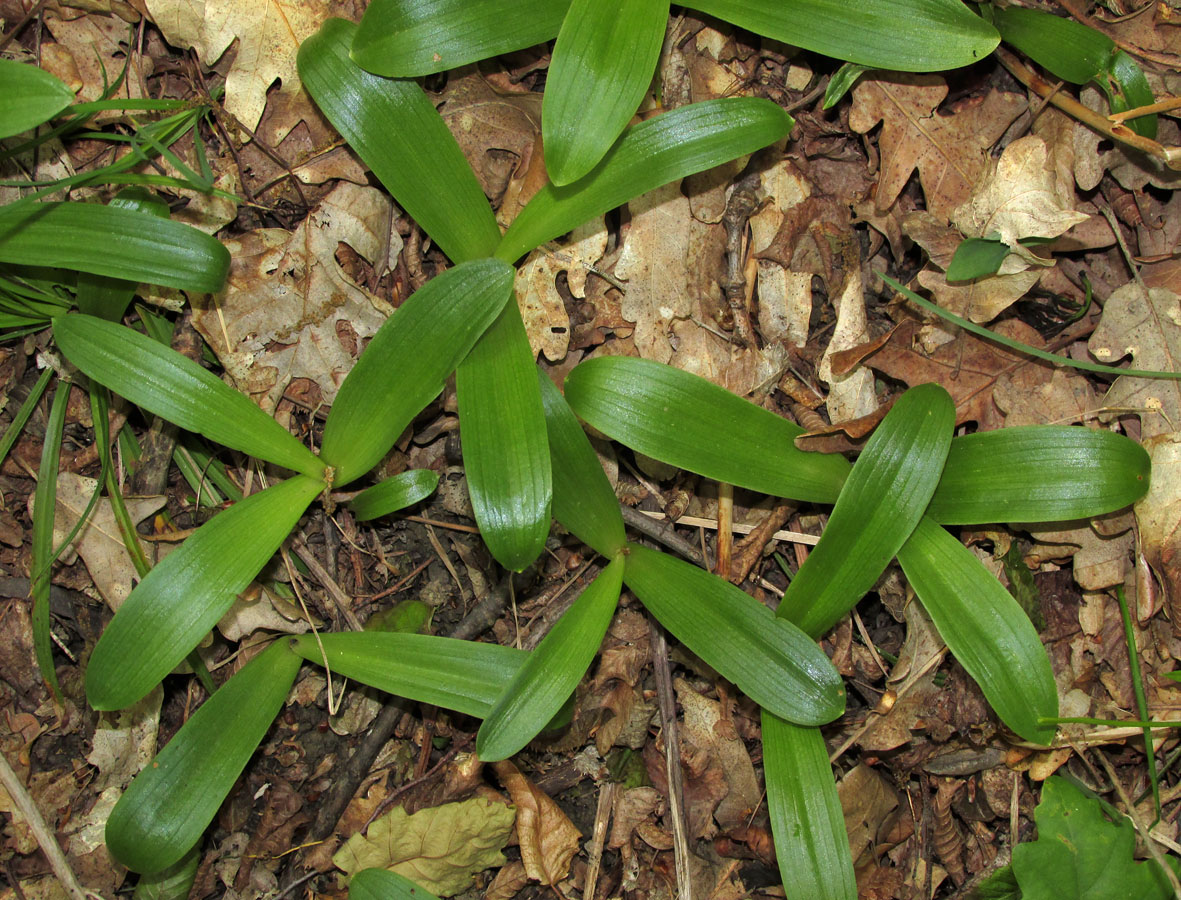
[632,807]
[1100,560]
[89,47]
[124,741]
[1067,399]
[851,395]
[868,803]
[547,837]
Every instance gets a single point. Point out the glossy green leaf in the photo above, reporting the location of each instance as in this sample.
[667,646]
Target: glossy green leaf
[584,502]
[807,823]
[384,884]
[693,424]
[405,363]
[977,258]
[171,802]
[984,628]
[407,38]
[183,597]
[109,240]
[602,65]
[842,82]
[552,670]
[392,494]
[174,882]
[1039,473]
[905,35]
[466,676]
[164,382]
[1128,88]
[394,127]
[662,149]
[505,449]
[771,661]
[31,96]
[880,504]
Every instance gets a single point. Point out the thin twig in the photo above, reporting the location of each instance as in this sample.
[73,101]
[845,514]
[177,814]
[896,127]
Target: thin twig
[672,759]
[339,598]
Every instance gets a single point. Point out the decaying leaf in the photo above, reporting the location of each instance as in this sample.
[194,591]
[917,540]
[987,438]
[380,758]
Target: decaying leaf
[706,728]
[547,837]
[125,740]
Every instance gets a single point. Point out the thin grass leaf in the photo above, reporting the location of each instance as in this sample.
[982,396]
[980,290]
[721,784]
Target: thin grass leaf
[164,382]
[13,433]
[601,67]
[409,38]
[670,146]
[405,363]
[392,494]
[171,802]
[31,96]
[394,127]
[44,514]
[108,298]
[984,628]
[1039,473]
[584,502]
[1141,697]
[385,884]
[691,423]
[551,672]
[880,504]
[466,676]
[189,590]
[771,661]
[108,240]
[505,448]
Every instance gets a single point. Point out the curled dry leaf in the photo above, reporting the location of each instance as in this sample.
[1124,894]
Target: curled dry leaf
[547,837]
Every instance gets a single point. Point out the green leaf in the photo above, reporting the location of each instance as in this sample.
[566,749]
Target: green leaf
[977,258]
[382,884]
[174,882]
[31,96]
[691,423]
[584,501]
[188,591]
[984,628]
[880,504]
[1039,473]
[1128,88]
[175,388]
[407,38]
[1080,854]
[602,64]
[392,494]
[811,841]
[465,676]
[505,450]
[842,82]
[172,801]
[552,670]
[905,35]
[44,516]
[394,127]
[771,661]
[405,363]
[662,149]
[109,240]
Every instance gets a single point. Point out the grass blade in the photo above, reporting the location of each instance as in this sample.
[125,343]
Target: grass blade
[672,145]
[31,96]
[984,628]
[394,378]
[552,671]
[164,382]
[769,659]
[392,494]
[384,884]
[505,449]
[881,503]
[183,597]
[172,801]
[44,515]
[394,127]
[602,64]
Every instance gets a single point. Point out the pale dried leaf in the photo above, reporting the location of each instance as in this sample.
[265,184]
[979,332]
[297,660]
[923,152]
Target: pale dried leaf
[547,837]
[124,741]
[851,395]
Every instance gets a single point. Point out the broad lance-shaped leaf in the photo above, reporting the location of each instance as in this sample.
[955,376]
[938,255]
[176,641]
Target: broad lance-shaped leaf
[109,240]
[383,884]
[505,449]
[164,382]
[551,671]
[391,494]
[189,590]
[395,129]
[601,67]
[584,502]
[906,35]
[408,38]
[405,363]
[31,96]
[880,504]
[466,676]
[171,802]
[985,629]
[670,146]
[771,661]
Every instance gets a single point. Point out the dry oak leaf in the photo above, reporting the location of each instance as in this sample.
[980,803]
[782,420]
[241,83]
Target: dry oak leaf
[950,151]
[547,837]
[441,848]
